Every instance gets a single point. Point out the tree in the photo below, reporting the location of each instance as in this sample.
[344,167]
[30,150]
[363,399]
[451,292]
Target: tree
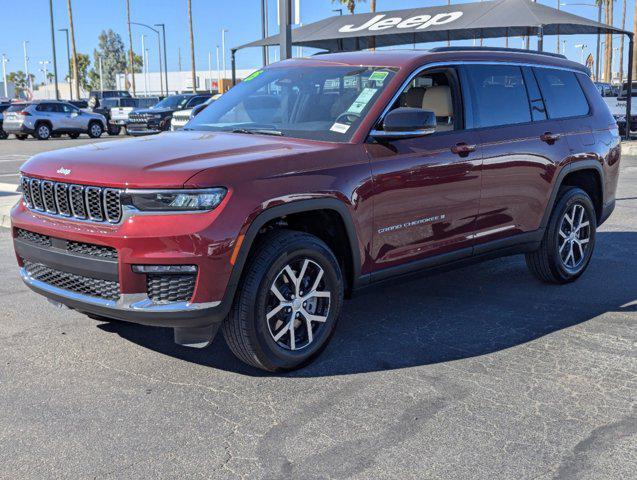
[192,49]
[76,83]
[608,45]
[112,51]
[19,80]
[131,54]
[351,4]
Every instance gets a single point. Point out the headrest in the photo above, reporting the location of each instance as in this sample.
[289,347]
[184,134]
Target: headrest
[438,100]
[414,97]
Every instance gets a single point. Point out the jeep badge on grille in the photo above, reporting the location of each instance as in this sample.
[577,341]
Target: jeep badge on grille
[63,171]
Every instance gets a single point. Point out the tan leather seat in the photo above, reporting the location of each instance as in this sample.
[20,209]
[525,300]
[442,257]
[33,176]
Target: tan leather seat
[438,100]
[414,97]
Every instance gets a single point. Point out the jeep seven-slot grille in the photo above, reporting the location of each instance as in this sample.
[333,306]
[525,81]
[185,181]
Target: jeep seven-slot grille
[75,283]
[170,288]
[97,204]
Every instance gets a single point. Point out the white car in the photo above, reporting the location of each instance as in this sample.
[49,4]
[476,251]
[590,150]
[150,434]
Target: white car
[182,117]
[617,106]
[119,113]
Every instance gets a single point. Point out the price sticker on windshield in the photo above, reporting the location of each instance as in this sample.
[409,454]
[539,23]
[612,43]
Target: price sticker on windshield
[253,75]
[363,99]
[378,76]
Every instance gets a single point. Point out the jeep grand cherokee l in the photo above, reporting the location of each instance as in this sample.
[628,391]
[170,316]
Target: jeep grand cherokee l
[314,178]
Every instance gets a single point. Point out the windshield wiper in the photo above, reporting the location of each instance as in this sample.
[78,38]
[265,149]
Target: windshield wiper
[258,130]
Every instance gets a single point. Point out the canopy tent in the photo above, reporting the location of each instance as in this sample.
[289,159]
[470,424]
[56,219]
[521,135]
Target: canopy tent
[490,19]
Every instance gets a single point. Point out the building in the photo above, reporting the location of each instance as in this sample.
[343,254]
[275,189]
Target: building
[179,82]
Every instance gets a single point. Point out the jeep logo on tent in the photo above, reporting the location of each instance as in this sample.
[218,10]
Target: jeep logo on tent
[419,22]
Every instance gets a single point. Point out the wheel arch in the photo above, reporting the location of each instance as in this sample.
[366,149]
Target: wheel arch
[279,212]
[567,176]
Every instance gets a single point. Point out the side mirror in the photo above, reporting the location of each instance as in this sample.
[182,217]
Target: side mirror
[406,122]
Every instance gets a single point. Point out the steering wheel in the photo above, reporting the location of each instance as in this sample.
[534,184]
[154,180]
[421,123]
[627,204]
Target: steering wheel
[348,117]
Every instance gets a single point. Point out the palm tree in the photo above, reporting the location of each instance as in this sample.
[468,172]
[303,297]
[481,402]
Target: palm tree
[192,49]
[621,44]
[351,4]
[131,54]
[608,46]
[76,80]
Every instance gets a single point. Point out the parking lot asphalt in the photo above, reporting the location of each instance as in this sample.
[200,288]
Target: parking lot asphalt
[478,373]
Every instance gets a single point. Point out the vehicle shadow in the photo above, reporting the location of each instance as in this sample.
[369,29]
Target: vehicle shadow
[459,314]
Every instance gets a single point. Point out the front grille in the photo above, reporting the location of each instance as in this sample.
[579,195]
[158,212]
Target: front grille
[138,118]
[97,204]
[35,238]
[75,283]
[170,288]
[91,250]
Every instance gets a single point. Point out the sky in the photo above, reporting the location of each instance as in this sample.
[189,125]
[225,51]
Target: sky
[240,17]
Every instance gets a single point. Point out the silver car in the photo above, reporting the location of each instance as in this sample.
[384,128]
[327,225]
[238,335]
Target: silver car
[46,118]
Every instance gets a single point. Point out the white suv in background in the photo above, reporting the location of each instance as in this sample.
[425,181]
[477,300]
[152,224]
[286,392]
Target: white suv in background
[182,117]
[46,118]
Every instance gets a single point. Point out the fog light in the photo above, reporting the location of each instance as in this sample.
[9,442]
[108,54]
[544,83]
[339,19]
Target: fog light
[165,268]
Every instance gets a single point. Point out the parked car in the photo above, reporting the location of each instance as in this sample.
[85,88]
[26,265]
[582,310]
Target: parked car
[119,114]
[81,104]
[96,96]
[45,118]
[617,107]
[606,89]
[3,107]
[315,178]
[158,118]
[182,117]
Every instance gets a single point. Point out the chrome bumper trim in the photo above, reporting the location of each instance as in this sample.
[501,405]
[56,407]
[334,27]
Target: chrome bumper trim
[132,302]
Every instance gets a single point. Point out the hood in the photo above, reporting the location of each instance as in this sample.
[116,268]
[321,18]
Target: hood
[167,160]
[154,110]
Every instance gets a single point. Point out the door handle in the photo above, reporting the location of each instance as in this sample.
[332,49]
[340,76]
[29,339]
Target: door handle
[550,138]
[463,149]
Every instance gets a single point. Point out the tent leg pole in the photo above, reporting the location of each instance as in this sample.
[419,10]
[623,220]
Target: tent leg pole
[629,89]
[233,53]
[540,38]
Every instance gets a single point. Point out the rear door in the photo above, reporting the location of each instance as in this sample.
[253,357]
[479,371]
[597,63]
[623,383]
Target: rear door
[521,147]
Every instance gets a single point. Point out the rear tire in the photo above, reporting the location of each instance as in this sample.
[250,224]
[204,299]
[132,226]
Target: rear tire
[278,322]
[569,239]
[74,135]
[114,130]
[3,134]
[95,130]
[42,131]
[21,136]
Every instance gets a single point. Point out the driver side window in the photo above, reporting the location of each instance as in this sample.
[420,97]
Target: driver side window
[436,91]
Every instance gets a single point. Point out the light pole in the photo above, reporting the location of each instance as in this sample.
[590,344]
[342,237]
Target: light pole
[4,75]
[163,32]
[68,57]
[264,29]
[218,72]
[210,69]
[223,54]
[582,47]
[44,70]
[161,80]
[144,67]
[599,39]
[55,62]
[26,65]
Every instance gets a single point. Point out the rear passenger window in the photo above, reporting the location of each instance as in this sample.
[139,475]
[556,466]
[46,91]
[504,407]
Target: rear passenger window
[499,95]
[562,93]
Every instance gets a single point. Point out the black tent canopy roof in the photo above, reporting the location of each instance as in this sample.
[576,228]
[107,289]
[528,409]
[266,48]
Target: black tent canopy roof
[491,19]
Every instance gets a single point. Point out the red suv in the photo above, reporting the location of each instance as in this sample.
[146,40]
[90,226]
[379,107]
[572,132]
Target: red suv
[314,178]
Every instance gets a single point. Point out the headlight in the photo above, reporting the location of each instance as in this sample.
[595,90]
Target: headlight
[175,200]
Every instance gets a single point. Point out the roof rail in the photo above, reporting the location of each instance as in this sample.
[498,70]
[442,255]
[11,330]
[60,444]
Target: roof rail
[496,49]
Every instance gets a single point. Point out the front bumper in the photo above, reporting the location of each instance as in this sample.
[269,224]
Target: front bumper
[138,240]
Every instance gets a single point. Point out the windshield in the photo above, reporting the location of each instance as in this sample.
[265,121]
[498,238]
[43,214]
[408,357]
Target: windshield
[317,103]
[173,102]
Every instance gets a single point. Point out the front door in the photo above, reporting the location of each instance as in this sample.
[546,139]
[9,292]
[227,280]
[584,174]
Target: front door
[426,189]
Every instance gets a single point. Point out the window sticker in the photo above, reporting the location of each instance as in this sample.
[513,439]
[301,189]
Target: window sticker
[363,99]
[253,75]
[378,76]
[339,128]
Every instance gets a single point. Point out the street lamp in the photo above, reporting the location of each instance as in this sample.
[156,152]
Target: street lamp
[4,75]
[582,47]
[161,80]
[68,57]
[223,53]
[26,65]
[55,61]
[163,31]
[599,20]
[44,70]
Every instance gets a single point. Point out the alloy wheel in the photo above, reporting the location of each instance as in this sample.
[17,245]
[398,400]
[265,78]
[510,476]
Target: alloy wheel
[44,132]
[96,130]
[298,304]
[574,236]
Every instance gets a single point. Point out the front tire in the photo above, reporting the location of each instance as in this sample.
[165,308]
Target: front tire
[95,130]
[114,130]
[42,131]
[288,303]
[569,239]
